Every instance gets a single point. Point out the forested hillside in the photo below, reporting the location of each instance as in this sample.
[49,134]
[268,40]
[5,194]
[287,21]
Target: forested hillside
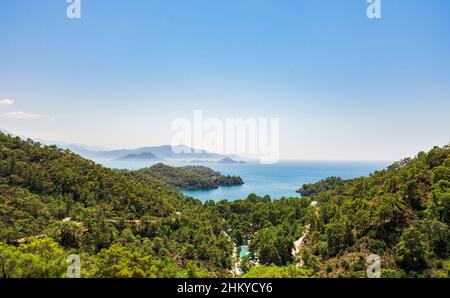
[401,214]
[54,203]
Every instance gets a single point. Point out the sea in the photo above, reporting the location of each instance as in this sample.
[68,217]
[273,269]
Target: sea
[277,180]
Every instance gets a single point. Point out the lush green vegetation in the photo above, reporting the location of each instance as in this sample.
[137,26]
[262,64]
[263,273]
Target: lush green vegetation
[54,203]
[401,213]
[323,185]
[272,271]
[190,177]
[270,226]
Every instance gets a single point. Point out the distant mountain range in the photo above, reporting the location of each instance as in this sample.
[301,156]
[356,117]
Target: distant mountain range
[159,152]
[145,153]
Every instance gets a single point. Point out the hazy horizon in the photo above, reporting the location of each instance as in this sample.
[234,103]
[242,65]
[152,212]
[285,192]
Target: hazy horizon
[93,147]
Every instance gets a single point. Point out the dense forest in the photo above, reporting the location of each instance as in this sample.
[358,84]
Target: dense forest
[321,186]
[189,177]
[401,213]
[54,203]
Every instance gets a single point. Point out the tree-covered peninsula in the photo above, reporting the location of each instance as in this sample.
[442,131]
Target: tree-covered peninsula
[189,177]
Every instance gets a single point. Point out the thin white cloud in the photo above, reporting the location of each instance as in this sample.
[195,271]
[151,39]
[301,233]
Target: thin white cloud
[6,102]
[20,115]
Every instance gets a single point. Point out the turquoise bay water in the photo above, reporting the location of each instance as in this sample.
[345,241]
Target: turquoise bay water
[278,180]
[281,179]
[244,251]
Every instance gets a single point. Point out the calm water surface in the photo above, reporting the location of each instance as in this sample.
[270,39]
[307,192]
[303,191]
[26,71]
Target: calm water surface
[278,180]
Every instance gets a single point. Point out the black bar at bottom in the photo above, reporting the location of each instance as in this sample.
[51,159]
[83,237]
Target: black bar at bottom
[225,287]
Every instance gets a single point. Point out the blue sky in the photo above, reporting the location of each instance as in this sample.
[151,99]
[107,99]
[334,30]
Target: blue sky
[343,86]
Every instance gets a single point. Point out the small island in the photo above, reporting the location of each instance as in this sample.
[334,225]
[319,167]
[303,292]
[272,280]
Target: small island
[201,161]
[228,160]
[189,177]
[146,156]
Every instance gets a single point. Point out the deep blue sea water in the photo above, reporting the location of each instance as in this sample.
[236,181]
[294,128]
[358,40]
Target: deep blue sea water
[278,180]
